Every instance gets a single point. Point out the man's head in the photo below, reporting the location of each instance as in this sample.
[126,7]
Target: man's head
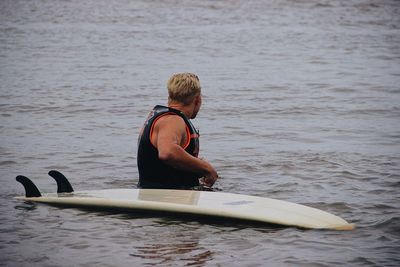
[183,88]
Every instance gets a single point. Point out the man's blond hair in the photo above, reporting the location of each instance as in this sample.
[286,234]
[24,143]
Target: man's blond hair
[183,87]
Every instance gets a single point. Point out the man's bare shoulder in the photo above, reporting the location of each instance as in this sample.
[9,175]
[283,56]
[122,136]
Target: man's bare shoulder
[171,121]
[169,127]
[171,117]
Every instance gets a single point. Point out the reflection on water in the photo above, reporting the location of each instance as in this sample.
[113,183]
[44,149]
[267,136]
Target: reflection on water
[26,206]
[187,253]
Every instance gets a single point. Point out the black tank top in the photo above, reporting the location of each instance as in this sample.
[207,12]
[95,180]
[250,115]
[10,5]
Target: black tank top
[154,173]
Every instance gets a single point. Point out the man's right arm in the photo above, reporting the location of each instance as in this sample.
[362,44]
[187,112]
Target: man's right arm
[169,135]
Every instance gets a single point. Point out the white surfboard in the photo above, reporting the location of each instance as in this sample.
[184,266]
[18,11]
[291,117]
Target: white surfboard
[213,204]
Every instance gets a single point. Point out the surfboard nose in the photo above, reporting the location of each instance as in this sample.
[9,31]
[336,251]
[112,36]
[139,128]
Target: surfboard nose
[345,227]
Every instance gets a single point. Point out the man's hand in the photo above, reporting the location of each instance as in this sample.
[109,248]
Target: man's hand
[210,176]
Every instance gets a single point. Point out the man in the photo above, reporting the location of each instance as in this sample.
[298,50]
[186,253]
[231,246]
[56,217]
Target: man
[168,144]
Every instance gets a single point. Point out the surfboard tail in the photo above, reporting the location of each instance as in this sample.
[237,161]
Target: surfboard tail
[30,188]
[63,185]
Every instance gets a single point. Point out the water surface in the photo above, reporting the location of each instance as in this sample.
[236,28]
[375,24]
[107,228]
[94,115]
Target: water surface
[301,103]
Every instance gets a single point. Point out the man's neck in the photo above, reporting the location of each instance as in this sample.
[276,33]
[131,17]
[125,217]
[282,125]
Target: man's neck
[187,110]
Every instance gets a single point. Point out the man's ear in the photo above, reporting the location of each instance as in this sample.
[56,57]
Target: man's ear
[197,99]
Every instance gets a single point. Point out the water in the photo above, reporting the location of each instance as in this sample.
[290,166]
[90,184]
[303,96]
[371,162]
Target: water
[301,103]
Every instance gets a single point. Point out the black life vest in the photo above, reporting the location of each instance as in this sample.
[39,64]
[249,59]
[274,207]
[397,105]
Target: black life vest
[154,173]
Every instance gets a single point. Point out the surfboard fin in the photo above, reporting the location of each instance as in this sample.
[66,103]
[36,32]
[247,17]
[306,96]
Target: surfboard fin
[63,185]
[30,188]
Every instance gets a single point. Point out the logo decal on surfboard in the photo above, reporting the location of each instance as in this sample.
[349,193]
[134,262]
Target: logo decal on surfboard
[235,203]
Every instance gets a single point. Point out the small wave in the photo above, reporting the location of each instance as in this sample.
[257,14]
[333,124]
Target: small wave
[323,5]
[362,261]
[7,162]
[339,206]
[343,90]
[349,175]
[374,111]
[87,162]
[25,108]
[391,224]
[84,110]
[376,192]
[56,167]
[94,156]
[186,251]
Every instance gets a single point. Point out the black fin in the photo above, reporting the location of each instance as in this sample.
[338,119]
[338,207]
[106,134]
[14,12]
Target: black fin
[30,188]
[63,185]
